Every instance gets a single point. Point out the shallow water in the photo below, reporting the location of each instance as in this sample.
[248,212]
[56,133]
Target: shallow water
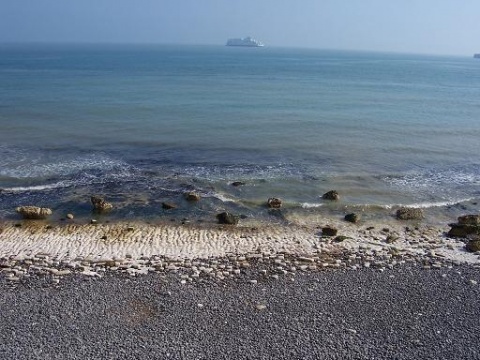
[144,124]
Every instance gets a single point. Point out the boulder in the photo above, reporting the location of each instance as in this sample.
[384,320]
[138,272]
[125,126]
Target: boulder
[331,195]
[473,245]
[469,220]
[227,218]
[467,226]
[100,205]
[274,203]
[353,218]
[192,196]
[33,212]
[409,214]
[329,231]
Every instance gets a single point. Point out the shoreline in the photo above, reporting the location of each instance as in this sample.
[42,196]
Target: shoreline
[199,251]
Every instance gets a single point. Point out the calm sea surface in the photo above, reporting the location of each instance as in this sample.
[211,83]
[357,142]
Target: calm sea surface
[143,124]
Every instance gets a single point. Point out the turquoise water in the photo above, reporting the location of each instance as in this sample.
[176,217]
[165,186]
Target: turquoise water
[144,124]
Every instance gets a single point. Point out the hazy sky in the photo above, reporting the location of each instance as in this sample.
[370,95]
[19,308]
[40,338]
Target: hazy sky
[421,26]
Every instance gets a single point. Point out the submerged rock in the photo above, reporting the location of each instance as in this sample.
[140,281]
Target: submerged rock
[168,206]
[274,203]
[353,218]
[192,196]
[238,183]
[227,218]
[409,214]
[331,195]
[33,212]
[100,205]
[469,220]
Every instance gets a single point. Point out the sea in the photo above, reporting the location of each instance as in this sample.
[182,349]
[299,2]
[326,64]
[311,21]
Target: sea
[144,124]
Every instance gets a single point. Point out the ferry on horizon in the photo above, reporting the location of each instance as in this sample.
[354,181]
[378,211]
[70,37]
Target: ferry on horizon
[248,42]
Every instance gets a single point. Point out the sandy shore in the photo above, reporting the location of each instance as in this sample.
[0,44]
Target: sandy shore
[139,248]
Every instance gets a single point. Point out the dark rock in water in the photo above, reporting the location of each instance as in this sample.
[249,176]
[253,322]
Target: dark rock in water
[353,218]
[329,231]
[168,206]
[238,183]
[100,205]
[227,218]
[192,196]
[469,220]
[274,203]
[473,245]
[33,212]
[331,195]
[409,214]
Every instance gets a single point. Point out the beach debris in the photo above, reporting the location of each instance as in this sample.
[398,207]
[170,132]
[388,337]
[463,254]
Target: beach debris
[274,203]
[353,218]
[331,195]
[227,218]
[33,212]
[192,196]
[406,213]
[100,205]
[168,206]
[69,216]
[467,225]
[329,231]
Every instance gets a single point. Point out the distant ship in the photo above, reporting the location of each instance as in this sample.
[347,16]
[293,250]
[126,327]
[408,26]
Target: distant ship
[476,56]
[248,41]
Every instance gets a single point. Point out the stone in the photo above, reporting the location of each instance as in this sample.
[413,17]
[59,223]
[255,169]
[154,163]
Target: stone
[238,183]
[329,231]
[339,238]
[168,206]
[458,230]
[100,205]
[353,218]
[33,212]
[274,203]
[69,216]
[227,218]
[473,245]
[331,195]
[409,214]
[192,196]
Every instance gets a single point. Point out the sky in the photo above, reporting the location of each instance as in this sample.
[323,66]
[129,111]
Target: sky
[411,26]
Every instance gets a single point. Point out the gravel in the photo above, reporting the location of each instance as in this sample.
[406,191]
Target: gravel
[401,313]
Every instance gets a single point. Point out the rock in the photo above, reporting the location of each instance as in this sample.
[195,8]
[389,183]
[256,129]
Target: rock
[409,214]
[331,195]
[329,231]
[192,196]
[69,216]
[33,212]
[274,203]
[100,205]
[227,218]
[93,221]
[353,218]
[339,238]
[238,183]
[469,220]
[473,245]
[168,206]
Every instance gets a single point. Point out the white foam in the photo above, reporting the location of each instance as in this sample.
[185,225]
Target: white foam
[307,205]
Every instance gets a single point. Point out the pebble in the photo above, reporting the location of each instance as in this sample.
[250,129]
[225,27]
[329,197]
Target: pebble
[253,282]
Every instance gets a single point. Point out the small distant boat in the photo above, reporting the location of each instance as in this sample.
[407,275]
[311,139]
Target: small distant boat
[476,56]
[248,42]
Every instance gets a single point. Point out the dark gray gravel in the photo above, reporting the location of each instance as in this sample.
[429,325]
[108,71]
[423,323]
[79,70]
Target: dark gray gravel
[405,313]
